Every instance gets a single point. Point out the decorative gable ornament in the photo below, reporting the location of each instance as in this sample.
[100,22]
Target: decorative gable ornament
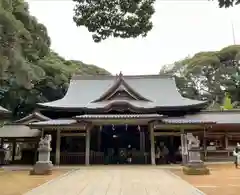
[120,90]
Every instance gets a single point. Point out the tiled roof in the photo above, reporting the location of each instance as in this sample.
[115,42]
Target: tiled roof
[54,122]
[34,115]
[120,116]
[185,121]
[220,117]
[160,91]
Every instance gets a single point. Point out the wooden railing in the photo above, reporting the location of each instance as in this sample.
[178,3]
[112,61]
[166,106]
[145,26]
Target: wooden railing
[72,158]
[218,155]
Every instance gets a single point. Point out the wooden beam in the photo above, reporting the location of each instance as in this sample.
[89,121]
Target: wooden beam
[167,133]
[177,127]
[73,134]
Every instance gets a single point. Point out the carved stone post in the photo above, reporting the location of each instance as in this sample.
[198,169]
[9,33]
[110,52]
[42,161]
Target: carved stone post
[43,166]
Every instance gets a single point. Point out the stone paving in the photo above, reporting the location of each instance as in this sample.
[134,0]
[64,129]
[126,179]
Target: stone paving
[117,180]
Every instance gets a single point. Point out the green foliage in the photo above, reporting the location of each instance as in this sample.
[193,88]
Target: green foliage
[29,71]
[120,18]
[117,18]
[227,3]
[209,75]
[227,103]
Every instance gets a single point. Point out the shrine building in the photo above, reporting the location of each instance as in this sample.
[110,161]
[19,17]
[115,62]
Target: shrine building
[102,115]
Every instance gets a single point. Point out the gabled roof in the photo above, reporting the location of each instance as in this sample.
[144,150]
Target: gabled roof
[121,85]
[35,116]
[4,111]
[152,92]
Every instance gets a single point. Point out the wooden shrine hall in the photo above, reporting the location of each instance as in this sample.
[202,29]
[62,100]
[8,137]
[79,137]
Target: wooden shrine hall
[102,118]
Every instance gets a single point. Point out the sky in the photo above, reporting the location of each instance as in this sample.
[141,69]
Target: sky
[181,28]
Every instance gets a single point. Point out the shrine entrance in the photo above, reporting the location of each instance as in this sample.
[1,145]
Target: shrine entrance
[121,144]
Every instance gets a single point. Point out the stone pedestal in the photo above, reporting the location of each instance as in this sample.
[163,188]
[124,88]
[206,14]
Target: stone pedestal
[195,165]
[43,166]
[184,159]
[196,169]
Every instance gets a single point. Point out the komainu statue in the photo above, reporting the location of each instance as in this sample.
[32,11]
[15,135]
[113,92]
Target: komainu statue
[193,142]
[45,142]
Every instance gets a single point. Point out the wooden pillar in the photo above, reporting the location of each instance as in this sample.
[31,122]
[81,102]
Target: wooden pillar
[204,144]
[13,150]
[152,143]
[226,141]
[2,142]
[87,148]
[184,147]
[172,140]
[58,147]
[226,144]
[42,133]
[36,151]
[143,141]
[99,137]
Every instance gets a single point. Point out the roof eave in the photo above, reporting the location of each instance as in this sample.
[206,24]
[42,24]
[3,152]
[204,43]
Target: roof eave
[198,106]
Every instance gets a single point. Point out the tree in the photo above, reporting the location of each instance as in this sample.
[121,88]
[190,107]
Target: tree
[29,71]
[120,18]
[228,3]
[209,75]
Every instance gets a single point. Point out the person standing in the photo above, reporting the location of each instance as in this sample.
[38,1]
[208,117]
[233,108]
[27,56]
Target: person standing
[236,154]
[166,154]
[158,155]
[129,154]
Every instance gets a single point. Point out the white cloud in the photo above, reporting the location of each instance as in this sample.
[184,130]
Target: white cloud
[180,28]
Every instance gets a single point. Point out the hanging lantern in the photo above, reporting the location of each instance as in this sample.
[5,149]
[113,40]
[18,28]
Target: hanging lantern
[139,128]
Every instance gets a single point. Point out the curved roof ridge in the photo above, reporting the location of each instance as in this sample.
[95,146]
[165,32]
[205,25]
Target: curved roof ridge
[106,77]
